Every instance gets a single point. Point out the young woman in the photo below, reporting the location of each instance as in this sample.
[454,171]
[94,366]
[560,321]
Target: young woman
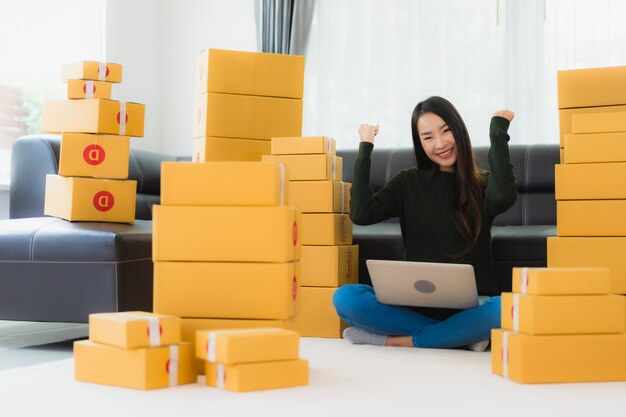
[446,207]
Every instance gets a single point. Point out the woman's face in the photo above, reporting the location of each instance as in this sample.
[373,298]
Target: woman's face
[438,141]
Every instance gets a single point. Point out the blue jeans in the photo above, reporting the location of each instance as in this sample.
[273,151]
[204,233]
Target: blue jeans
[357,305]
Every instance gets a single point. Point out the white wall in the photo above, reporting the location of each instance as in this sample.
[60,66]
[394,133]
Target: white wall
[4,203]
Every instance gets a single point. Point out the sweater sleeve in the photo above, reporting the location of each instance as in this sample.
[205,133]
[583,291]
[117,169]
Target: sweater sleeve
[500,193]
[367,207]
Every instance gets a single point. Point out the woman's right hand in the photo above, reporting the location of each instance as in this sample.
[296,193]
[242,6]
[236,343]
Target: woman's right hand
[368,132]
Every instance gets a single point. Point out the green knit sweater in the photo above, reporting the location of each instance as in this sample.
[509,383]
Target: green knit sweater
[425,206]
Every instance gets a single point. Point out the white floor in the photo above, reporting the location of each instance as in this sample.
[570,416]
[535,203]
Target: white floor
[345,380]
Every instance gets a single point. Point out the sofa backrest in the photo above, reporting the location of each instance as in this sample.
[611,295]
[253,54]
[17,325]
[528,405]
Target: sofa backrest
[533,166]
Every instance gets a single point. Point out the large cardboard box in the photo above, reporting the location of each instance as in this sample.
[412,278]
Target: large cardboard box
[303,145]
[565,117]
[329,266]
[591,87]
[252,73]
[317,316]
[599,122]
[96,156]
[92,70]
[594,147]
[77,89]
[590,181]
[249,117]
[142,368]
[310,167]
[134,329]
[247,345]
[257,375]
[590,218]
[90,199]
[326,229]
[226,234]
[560,281]
[241,290]
[93,116]
[229,149]
[558,358]
[223,184]
[320,196]
[594,252]
[562,314]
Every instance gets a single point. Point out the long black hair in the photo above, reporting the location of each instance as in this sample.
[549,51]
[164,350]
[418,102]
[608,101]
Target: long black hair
[469,179]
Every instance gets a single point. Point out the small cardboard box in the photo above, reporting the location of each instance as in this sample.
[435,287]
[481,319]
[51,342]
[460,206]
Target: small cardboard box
[229,149]
[593,252]
[257,376]
[326,229]
[317,316]
[134,329]
[329,266]
[565,117]
[248,117]
[96,156]
[242,290]
[251,73]
[594,147]
[223,184]
[558,358]
[310,167]
[560,281]
[142,368]
[92,70]
[93,116]
[599,122]
[590,181]
[591,87]
[77,89]
[90,199]
[562,314]
[590,218]
[320,196]
[303,145]
[247,345]
[226,234]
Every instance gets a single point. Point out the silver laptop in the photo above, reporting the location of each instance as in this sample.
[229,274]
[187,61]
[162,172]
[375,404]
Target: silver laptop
[423,284]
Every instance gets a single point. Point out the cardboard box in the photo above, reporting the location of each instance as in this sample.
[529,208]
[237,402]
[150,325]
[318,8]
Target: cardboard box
[92,70]
[326,229]
[590,181]
[560,281]
[226,234]
[594,147]
[93,116]
[90,199]
[223,184]
[134,329]
[562,314]
[77,89]
[317,316]
[143,368]
[590,218]
[229,149]
[594,252]
[96,156]
[310,167]
[247,345]
[591,87]
[241,290]
[251,73]
[329,266]
[257,376]
[249,117]
[565,117]
[320,196]
[558,358]
[303,145]
[599,122]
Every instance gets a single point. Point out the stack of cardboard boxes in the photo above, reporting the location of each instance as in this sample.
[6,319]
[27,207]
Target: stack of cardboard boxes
[329,259]
[95,146]
[134,350]
[242,100]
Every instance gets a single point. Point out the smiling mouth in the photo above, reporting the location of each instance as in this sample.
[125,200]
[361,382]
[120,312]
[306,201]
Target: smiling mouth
[445,154]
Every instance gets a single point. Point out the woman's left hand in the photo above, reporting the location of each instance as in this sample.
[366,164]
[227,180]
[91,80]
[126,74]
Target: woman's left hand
[507,114]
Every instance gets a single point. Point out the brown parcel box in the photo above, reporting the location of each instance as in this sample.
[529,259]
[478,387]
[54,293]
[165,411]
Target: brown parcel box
[92,70]
[96,156]
[584,148]
[229,149]
[591,87]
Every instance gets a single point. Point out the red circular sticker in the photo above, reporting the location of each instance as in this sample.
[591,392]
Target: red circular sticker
[93,88]
[167,366]
[294,233]
[106,74]
[160,330]
[94,154]
[294,288]
[103,201]
[224,380]
[118,118]
[513,311]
